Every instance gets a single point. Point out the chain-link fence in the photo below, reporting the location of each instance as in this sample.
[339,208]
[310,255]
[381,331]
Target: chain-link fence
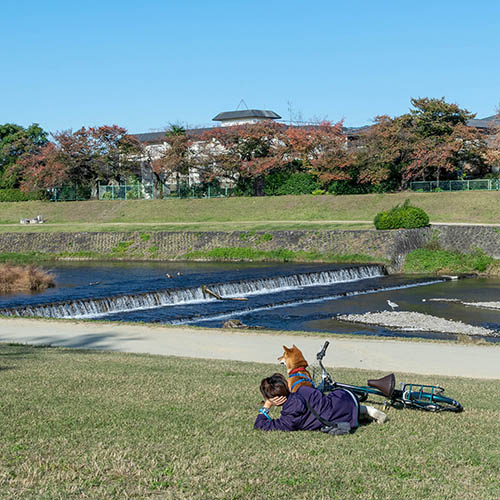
[471,185]
[139,192]
[195,191]
[70,193]
[147,191]
[126,192]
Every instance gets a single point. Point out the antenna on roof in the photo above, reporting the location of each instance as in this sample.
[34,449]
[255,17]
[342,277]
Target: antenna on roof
[242,101]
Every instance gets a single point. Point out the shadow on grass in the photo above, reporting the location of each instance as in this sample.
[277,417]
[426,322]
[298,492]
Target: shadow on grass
[10,349]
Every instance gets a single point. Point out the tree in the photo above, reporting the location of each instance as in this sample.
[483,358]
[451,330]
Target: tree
[244,154]
[44,170]
[433,117]
[459,153]
[443,143]
[493,152]
[384,149]
[432,141]
[325,153]
[82,158]
[16,142]
[176,158]
[99,154]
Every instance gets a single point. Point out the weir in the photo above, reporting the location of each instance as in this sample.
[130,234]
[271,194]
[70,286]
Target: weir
[89,308]
[291,303]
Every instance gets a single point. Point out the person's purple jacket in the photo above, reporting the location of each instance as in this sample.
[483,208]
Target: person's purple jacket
[337,406]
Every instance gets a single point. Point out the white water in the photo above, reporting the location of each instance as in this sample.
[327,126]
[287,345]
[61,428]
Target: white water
[92,308]
[244,312]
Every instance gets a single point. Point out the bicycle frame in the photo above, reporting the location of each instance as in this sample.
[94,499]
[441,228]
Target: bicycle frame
[409,395]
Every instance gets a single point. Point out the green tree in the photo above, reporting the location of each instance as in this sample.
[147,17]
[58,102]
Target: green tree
[431,142]
[17,142]
[436,117]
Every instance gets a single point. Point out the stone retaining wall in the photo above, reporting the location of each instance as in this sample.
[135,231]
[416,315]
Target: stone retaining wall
[390,245]
[466,239]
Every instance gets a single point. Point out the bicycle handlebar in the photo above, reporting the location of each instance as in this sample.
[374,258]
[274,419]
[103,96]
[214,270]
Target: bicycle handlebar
[321,354]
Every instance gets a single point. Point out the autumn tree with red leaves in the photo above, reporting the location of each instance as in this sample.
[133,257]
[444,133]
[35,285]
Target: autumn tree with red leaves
[444,146]
[493,152]
[384,151]
[16,144]
[176,159]
[84,158]
[323,151]
[43,170]
[244,154]
[432,142]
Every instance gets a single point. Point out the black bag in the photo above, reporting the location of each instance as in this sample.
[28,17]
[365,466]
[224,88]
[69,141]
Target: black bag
[332,428]
[337,428]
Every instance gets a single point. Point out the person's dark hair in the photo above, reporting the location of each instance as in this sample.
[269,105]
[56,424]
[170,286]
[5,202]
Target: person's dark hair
[275,385]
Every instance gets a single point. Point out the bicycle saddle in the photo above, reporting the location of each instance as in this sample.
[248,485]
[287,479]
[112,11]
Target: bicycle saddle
[385,384]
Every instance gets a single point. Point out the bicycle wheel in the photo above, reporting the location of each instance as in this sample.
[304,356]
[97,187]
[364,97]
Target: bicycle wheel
[358,392]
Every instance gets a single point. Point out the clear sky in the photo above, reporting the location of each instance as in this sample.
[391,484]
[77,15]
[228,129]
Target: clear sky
[147,64]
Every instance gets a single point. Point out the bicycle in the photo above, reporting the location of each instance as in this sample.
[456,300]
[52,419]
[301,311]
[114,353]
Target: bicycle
[416,396]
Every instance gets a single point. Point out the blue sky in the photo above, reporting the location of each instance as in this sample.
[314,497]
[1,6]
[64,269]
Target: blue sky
[145,65]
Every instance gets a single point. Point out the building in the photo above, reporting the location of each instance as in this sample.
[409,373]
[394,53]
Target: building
[155,142]
[244,117]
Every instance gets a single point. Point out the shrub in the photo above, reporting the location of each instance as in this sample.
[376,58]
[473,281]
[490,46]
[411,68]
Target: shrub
[24,278]
[281,183]
[404,216]
[348,187]
[18,195]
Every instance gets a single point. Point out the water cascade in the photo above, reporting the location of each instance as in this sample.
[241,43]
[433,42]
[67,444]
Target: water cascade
[91,308]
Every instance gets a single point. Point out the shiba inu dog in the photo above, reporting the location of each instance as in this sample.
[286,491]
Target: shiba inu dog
[298,376]
[296,366]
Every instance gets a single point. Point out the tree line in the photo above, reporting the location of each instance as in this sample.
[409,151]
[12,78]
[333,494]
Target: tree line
[430,142]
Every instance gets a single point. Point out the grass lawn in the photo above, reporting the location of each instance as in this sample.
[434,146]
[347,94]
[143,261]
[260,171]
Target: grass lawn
[86,424]
[191,226]
[273,212]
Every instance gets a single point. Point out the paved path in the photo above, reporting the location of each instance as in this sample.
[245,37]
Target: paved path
[431,358]
[222,223]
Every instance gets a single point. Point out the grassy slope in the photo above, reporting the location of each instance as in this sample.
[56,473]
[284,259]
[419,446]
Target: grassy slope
[108,425]
[229,213]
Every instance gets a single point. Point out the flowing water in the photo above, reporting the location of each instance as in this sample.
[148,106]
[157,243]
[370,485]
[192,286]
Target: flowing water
[277,296]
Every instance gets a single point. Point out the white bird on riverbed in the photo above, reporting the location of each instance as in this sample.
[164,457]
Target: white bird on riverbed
[392,305]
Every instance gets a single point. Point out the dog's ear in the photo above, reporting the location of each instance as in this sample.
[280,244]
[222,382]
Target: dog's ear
[285,348]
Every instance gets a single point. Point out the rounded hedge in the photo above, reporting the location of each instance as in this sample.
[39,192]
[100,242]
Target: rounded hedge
[401,217]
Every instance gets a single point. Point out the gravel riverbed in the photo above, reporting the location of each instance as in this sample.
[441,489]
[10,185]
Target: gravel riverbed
[413,321]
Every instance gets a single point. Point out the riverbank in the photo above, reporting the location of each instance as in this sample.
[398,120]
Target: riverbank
[432,250]
[439,358]
[479,207]
[90,424]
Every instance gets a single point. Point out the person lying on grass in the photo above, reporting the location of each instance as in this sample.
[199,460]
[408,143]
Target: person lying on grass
[308,409]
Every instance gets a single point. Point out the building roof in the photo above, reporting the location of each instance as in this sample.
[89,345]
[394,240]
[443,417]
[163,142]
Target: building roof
[489,121]
[196,133]
[158,137]
[246,113]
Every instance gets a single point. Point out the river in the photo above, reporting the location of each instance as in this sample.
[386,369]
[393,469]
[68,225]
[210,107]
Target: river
[304,297]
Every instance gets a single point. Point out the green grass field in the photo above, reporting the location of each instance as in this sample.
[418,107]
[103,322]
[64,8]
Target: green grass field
[84,424]
[279,212]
